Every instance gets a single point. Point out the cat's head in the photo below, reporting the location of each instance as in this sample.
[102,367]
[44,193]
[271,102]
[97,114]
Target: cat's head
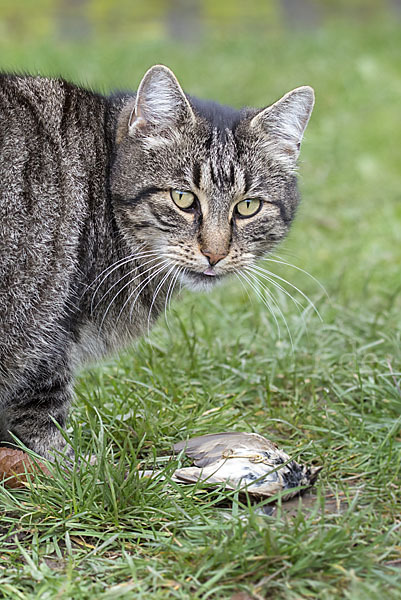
[208,188]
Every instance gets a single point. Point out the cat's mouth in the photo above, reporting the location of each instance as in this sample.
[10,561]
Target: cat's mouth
[209,275]
[201,280]
[210,272]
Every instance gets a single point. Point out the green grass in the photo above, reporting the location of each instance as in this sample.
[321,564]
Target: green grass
[331,397]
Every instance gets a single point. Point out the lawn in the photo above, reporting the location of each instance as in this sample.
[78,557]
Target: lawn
[325,389]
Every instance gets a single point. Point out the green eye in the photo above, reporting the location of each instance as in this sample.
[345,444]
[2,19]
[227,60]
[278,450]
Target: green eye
[248,208]
[182,199]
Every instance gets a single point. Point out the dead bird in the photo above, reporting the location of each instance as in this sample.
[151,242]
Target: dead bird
[245,461]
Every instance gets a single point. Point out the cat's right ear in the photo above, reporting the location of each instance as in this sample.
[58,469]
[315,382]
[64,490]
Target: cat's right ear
[160,103]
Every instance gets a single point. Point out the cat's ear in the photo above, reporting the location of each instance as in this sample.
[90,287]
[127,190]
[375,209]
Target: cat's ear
[160,103]
[283,123]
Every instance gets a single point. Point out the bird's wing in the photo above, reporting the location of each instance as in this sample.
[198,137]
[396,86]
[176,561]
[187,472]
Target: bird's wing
[207,449]
[234,477]
[194,474]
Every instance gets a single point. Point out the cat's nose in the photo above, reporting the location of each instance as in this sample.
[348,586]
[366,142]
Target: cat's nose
[213,257]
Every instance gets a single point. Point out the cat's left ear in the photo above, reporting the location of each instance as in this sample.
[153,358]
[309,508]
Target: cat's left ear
[283,123]
[160,103]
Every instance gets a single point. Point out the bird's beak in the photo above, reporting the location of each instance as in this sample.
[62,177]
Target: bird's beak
[314,472]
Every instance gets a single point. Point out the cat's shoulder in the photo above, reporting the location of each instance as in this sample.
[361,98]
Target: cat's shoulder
[47,99]
[19,87]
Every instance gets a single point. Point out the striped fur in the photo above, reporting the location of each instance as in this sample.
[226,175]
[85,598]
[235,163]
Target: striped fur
[91,243]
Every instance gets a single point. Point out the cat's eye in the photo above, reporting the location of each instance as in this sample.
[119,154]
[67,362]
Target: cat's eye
[184,200]
[248,208]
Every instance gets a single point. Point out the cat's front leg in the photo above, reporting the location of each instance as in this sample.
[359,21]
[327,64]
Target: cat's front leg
[31,410]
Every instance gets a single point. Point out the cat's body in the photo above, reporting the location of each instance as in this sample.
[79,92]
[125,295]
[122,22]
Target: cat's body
[105,204]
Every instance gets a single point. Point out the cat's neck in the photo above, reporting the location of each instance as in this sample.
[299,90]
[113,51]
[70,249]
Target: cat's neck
[117,299]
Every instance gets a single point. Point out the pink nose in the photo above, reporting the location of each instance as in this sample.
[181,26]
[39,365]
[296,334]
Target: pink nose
[213,257]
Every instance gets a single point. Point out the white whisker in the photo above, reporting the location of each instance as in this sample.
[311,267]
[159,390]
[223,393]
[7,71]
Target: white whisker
[123,277]
[182,273]
[115,266]
[257,291]
[243,285]
[125,286]
[309,301]
[116,263]
[142,286]
[278,286]
[274,301]
[156,292]
[280,261]
[170,291]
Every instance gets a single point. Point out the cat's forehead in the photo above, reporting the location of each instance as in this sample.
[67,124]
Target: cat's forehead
[221,159]
[219,116]
[220,168]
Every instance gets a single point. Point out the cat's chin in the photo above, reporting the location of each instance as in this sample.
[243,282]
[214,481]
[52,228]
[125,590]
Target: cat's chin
[198,282]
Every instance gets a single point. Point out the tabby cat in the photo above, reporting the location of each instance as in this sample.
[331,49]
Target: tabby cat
[105,204]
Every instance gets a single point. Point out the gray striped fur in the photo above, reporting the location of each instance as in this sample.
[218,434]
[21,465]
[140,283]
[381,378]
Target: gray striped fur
[85,183]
